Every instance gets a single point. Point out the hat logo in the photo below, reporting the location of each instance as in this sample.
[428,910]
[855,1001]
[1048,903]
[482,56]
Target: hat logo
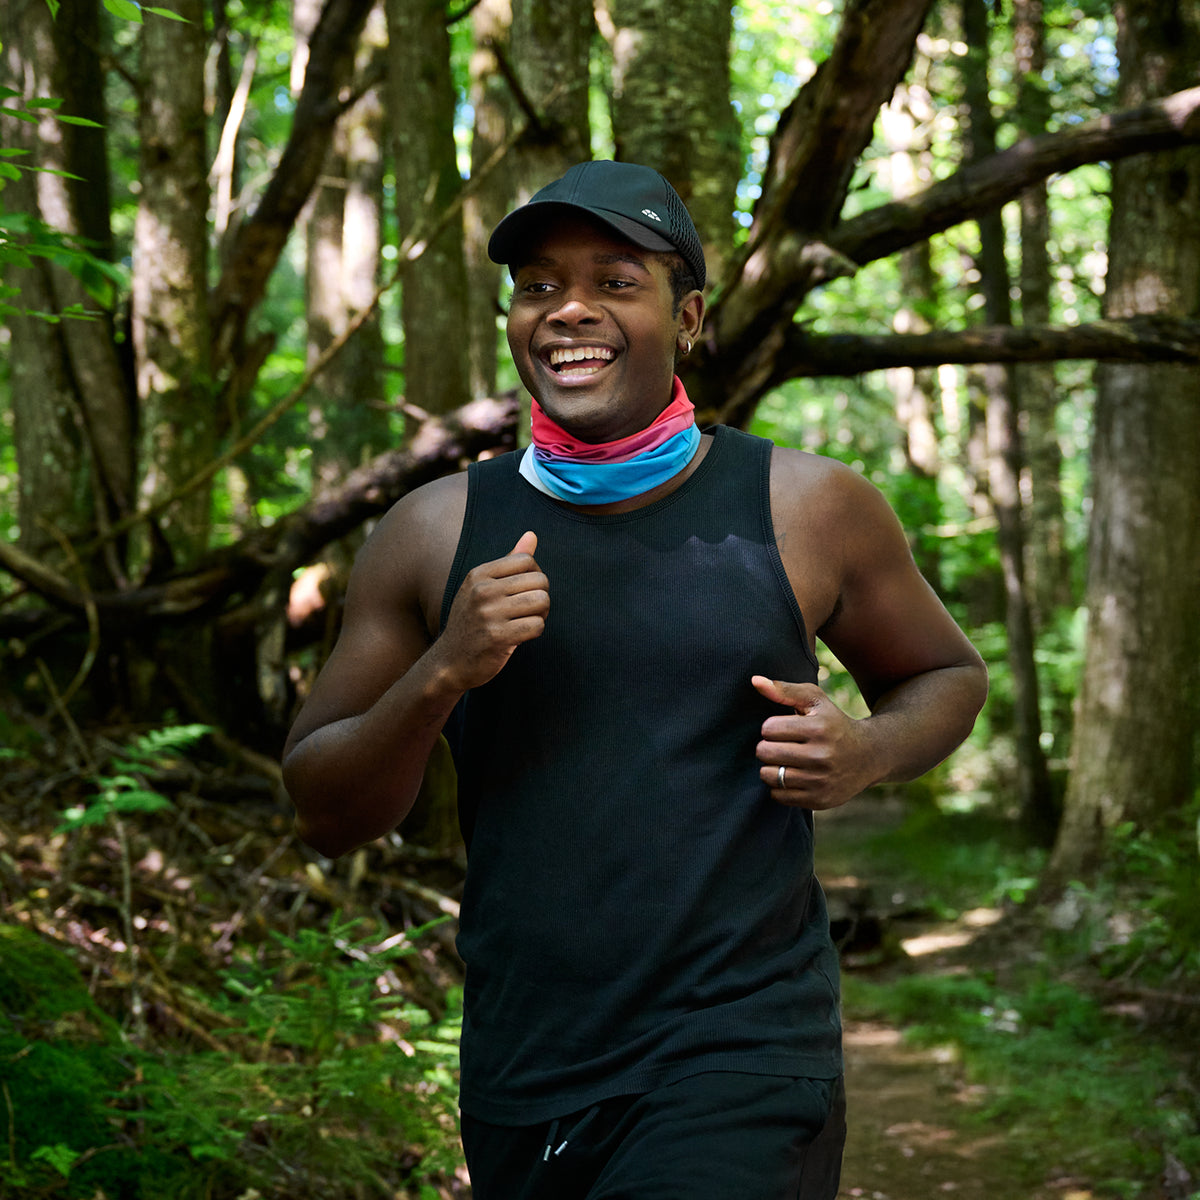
[649,212]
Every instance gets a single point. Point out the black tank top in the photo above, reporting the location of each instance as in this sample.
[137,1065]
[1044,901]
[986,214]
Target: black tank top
[637,908]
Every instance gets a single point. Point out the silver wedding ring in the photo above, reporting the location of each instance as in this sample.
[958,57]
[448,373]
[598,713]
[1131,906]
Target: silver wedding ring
[782,783]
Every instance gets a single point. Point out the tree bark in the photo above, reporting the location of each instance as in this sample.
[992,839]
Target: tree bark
[1139,708]
[70,395]
[347,412]
[1002,419]
[177,417]
[439,446]
[1150,339]
[1047,560]
[495,114]
[743,356]
[914,389]
[1156,125]
[551,44]
[434,290]
[661,118]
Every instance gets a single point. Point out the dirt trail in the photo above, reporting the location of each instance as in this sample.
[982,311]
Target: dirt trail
[911,1133]
[908,1139]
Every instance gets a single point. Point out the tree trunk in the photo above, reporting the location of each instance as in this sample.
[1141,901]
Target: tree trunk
[70,400]
[495,114]
[1139,708]
[1046,549]
[914,390]
[433,297]
[1004,456]
[661,118]
[347,412]
[170,280]
[551,44]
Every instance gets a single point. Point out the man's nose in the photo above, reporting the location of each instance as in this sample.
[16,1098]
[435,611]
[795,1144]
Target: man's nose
[575,308]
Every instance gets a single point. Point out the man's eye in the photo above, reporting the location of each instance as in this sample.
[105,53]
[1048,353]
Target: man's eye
[618,284]
[536,287]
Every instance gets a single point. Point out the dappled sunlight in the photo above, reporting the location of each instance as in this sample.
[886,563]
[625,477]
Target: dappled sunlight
[952,937]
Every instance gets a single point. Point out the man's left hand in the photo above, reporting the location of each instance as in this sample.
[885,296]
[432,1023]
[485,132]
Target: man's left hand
[826,755]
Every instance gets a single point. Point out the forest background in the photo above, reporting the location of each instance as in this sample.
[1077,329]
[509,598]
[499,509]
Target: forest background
[246,307]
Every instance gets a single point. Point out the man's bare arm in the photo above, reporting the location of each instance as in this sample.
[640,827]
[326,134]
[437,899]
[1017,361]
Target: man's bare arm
[921,678]
[354,761]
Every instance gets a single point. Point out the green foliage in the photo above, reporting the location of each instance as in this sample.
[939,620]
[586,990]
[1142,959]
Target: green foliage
[322,1092]
[1141,920]
[950,861]
[1029,1022]
[319,1089]
[1071,1082]
[124,792]
[60,1056]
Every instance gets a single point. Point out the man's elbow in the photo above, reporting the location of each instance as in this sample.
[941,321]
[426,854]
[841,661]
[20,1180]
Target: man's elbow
[977,674]
[330,839]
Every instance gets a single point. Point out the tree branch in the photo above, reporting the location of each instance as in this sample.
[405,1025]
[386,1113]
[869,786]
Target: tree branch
[1138,340]
[260,240]
[440,446]
[752,324]
[823,132]
[819,140]
[985,185]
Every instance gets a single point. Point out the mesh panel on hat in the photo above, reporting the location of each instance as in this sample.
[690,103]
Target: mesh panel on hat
[684,236]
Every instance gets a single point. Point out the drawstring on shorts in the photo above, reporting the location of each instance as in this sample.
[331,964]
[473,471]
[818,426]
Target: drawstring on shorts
[553,1150]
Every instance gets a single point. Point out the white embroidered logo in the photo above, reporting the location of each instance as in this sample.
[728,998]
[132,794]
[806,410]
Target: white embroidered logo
[647,212]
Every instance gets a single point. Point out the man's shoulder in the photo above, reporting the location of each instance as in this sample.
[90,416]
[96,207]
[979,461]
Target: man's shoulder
[419,525]
[433,510]
[802,469]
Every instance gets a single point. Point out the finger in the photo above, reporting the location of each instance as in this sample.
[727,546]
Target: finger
[803,697]
[802,761]
[520,599]
[526,543]
[794,727]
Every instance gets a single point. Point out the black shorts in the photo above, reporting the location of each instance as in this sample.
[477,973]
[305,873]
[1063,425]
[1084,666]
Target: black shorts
[719,1135]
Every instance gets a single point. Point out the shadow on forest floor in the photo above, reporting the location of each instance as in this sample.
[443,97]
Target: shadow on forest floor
[214,882]
[935,1114]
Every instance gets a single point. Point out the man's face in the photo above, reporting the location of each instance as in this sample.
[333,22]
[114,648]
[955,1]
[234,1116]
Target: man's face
[593,331]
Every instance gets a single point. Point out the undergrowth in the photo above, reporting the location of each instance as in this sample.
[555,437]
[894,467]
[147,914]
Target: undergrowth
[322,1079]
[140,1060]
[1074,1023]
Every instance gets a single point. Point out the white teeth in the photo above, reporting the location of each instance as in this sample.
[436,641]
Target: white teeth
[565,354]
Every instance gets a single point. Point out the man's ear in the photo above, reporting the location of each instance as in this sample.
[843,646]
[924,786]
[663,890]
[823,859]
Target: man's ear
[691,319]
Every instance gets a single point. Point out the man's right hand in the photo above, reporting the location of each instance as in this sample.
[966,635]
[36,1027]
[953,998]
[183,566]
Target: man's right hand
[500,604]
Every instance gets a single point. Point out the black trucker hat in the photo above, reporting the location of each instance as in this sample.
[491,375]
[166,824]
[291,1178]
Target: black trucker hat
[635,201]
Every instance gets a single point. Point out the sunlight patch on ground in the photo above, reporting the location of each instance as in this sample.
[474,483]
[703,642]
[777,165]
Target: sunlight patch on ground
[955,937]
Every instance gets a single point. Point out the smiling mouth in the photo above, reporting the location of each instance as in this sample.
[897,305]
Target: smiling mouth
[577,362]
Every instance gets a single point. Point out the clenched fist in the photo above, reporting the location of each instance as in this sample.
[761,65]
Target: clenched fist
[825,754]
[500,604]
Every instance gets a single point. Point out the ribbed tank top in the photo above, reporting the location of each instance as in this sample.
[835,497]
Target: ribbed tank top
[637,908]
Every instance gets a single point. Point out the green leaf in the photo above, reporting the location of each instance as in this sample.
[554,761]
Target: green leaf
[44,102]
[79,121]
[61,1158]
[11,152]
[8,171]
[166,12]
[124,9]
[54,6]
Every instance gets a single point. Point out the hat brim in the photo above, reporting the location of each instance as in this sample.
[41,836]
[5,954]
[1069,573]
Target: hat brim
[524,223]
